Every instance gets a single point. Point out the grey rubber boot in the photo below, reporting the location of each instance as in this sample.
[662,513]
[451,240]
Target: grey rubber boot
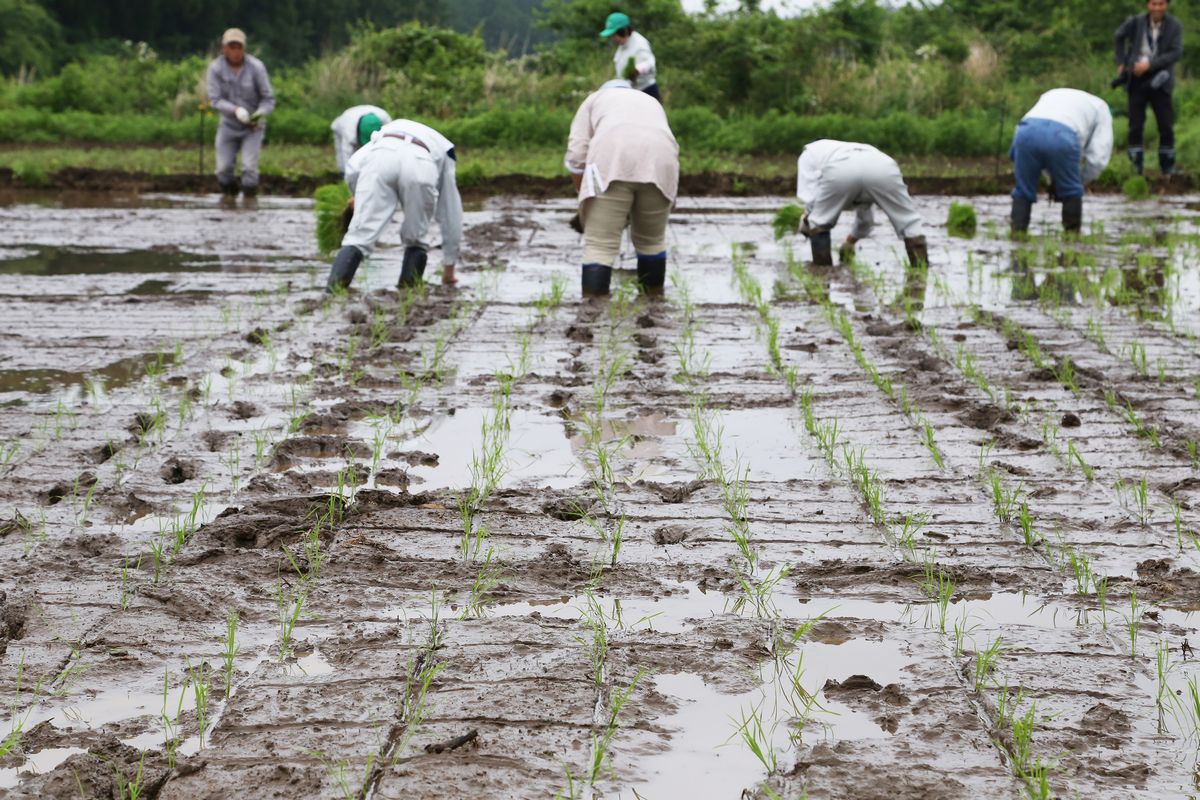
[249,191]
[822,249]
[652,272]
[412,273]
[1138,157]
[1166,161]
[917,250]
[1022,211]
[596,280]
[1072,215]
[343,269]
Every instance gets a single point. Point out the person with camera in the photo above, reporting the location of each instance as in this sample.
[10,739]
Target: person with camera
[1148,46]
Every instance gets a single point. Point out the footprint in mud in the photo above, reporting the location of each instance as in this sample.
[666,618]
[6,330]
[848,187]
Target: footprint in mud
[63,489]
[177,470]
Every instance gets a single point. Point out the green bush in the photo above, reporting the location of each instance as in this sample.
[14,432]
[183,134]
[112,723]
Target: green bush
[1136,187]
[961,220]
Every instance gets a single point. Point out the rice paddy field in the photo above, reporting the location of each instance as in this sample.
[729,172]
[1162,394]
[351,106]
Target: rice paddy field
[786,532]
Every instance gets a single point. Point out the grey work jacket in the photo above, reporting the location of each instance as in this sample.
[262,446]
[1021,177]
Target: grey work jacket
[1128,41]
[249,88]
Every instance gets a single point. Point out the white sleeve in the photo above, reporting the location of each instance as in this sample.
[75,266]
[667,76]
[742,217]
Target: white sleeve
[644,60]
[449,211]
[1099,146]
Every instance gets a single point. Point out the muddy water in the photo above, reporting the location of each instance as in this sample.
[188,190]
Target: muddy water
[180,405]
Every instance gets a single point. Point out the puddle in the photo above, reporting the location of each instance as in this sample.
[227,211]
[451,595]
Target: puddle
[38,763]
[48,261]
[120,373]
[310,666]
[537,453]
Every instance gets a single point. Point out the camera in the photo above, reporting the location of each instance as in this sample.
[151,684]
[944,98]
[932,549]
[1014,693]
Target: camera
[1121,79]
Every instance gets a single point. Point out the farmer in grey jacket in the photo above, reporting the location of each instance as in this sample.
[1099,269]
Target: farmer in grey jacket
[1148,45]
[239,88]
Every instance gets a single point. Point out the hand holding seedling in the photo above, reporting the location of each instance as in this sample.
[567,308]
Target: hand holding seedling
[631,70]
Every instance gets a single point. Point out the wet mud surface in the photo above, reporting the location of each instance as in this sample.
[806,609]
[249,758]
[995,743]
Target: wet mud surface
[862,532]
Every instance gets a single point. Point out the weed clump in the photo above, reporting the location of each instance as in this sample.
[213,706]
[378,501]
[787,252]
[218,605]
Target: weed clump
[330,203]
[787,220]
[1136,188]
[961,220]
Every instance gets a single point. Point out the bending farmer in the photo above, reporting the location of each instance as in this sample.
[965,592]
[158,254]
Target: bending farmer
[239,88]
[624,162]
[1148,45]
[832,176]
[409,165]
[634,59]
[1065,126]
[353,128]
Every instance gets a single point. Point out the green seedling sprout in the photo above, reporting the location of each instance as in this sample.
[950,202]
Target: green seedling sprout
[230,652]
[985,663]
[200,681]
[1134,624]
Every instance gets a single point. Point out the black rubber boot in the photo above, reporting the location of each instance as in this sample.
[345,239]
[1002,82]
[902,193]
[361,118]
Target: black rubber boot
[918,252]
[1072,215]
[229,189]
[343,269]
[652,273]
[822,249]
[596,280]
[412,273]
[1138,157]
[1022,211]
[1166,161]
[249,191]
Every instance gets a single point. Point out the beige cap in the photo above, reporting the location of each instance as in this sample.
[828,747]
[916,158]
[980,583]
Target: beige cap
[233,35]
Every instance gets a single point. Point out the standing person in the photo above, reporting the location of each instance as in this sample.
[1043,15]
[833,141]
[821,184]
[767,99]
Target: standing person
[624,162]
[239,88]
[1148,45]
[832,176]
[634,59]
[1063,127]
[410,165]
[353,128]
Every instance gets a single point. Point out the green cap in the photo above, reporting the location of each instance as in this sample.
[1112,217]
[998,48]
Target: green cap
[368,124]
[614,23]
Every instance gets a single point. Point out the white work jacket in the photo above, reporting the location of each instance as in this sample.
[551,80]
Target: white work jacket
[637,47]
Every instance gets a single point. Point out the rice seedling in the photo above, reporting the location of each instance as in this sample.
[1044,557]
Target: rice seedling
[486,580]
[985,663]
[1100,587]
[758,592]
[1191,704]
[1193,451]
[1136,353]
[126,581]
[1065,374]
[1074,456]
[1081,569]
[170,719]
[289,607]
[596,644]
[129,788]
[413,706]
[931,445]
[753,734]
[602,742]
[230,652]
[200,681]
[1004,498]
[938,586]
[1133,624]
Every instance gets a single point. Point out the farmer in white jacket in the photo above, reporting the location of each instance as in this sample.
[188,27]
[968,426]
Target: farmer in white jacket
[412,166]
[624,162]
[634,59]
[353,128]
[833,176]
[1065,127]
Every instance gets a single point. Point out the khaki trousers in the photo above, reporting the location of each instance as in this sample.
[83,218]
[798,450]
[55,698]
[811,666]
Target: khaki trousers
[604,217]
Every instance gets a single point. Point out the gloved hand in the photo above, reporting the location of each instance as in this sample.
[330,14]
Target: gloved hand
[630,71]
[805,229]
[243,116]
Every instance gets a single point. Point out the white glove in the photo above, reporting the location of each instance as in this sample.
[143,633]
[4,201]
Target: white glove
[243,116]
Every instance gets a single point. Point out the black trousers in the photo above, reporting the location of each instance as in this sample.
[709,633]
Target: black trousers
[1141,95]
[652,90]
